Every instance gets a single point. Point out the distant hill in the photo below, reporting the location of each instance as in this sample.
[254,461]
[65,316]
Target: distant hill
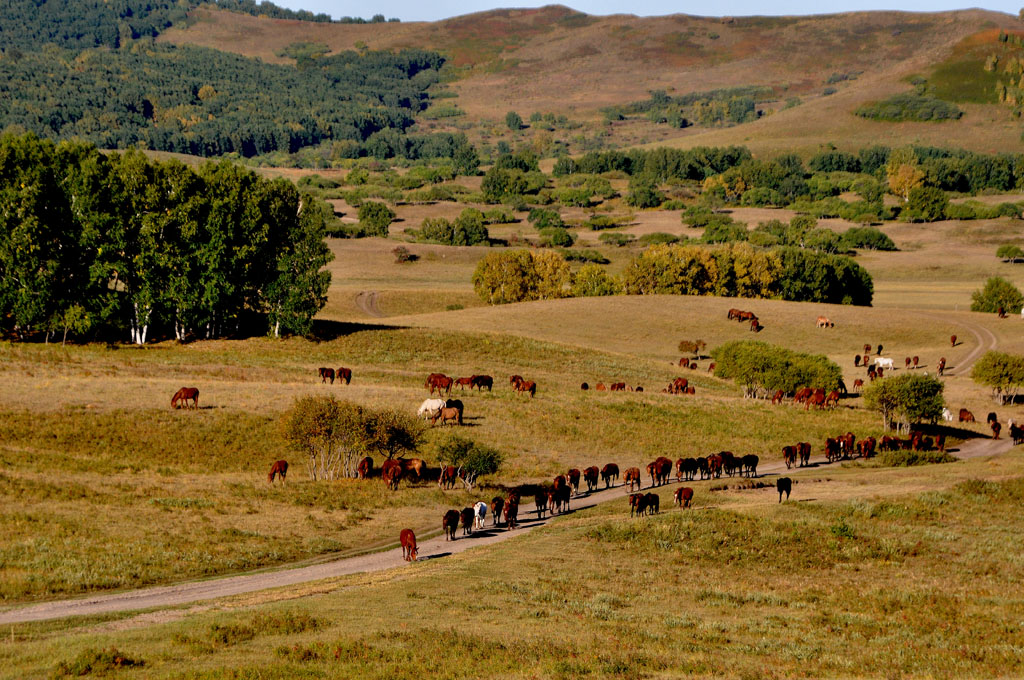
[817,69]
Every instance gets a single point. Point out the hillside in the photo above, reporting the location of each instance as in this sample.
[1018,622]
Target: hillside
[557,60]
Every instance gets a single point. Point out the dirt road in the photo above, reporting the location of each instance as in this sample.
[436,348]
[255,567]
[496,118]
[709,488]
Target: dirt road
[434,548]
[986,342]
[366,301]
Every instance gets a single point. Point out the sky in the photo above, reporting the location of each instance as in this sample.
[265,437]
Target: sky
[408,10]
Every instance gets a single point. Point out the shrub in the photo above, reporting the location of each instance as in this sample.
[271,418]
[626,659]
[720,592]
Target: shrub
[542,218]
[617,239]
[585,256]
[997,292]
[521,275]
[499,216]
[471,458]
[722,229]
[402,254]
[910,107]
[1009,252]
[762,369]
[375,218]
[556,236]
[96,661]
[599,222]
[514,121]
[1002,372]
[658,237]
[925,204]
[697,216]
[868,238]
[643,192]
[592,280]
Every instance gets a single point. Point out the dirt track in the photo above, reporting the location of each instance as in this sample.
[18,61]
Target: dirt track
[434,548]
[366,301]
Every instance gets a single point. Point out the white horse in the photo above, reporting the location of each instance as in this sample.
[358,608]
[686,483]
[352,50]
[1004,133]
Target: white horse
[479,515]
[430,408]
[947,415]
[884,362]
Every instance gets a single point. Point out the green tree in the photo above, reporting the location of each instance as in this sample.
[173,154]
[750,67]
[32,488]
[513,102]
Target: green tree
[905,400]
[472,459]
[521,275]
[468,228]
[513,121]
[762,369]
[466,160]
[1002,372]
[998,292]
[375,218]
[643,192]
[592,280]
[926,204]
[1009,252]
[557,237]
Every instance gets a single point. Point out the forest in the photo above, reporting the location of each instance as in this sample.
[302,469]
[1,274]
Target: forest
[121,245]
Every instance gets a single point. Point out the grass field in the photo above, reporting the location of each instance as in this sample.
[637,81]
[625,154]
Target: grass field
[865,572]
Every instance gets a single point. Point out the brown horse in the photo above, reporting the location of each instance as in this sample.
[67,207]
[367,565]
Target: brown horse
[184,395]
[326,374]
[448,414]
[463,383]
[482,381]
[345,374]
[412,466]
[365,468]
[448,477]
[527,386]
[632,478]
[449,524]
[683,496]
[439,382]
[391,472]
[408,540]
[279,468]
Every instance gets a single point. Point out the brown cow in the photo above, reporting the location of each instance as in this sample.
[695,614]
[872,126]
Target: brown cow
[326,374]
[448,476]
[590,476]
[408,540]
[449,524]
[364,468]
[279,468]
[966,416]
[632,478]
[391,472]
[683,496]
[608,473]
[184,395]
[467,515]
[345,375]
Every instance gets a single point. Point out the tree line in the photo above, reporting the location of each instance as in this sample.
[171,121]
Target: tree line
[141,247]
[731,270]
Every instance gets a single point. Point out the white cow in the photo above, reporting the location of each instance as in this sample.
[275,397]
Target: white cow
[480,514]
[884,362]
[947,415]
[430,408]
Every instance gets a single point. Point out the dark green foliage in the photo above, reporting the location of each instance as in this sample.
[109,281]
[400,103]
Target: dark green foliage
[823,240]
[868,238]
[729,106]
[831,161]
[910,107]
[514,121]
[925,204]
[1002,372]
[698,216]
[722,229]
[120,241]
[617,239]
[556,236]
[643,192]
[762,369]
[586,255]
[658,237]
[499,216]
[467,230]
[206,102]
[542,218]
[906,399]
[1009,252]
[599,222]
[663,163]
[524,161]
[473,457]
[375,218]
[819,277]
[998,292]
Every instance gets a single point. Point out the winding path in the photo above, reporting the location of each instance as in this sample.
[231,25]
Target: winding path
[433,548]
[986,342]
[366,301]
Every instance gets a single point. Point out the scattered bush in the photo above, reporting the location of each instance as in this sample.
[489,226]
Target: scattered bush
[542,218]
[96,661]
[617,239]
[556,236]
[402,254]
[588,255]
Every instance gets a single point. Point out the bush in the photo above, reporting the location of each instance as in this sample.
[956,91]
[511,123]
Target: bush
[697,216]
[658,237]
[910,107]
[722,229]
[643,192]
[592,280]
[375,218]
[467,230]
[556,236]
[599,222]
[585,256]
[1009,252]
[820,277]
[906,399]
[542,218]
[514,121]
[617,239]
[499,216]
[471,458]
[998,292]
[1002,372]
[925,204]
[867,238]
[521,275]
[402,255]
[96,661]
[762,369]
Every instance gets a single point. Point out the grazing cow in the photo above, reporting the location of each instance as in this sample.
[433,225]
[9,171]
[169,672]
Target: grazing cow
[448,476]
[480,515]
[683,496]
[590,476]
[789,455]
[449,524]
[952,341]
[883,362]
[750,465]
[600,387]
[497,503]
[778,397]
[823,322]
[653,501]
[408,540]
[784,486]
[511,511]
[684,363]
[632,478]
[916,360]
[482,381]
[447,415]
[345,375]
[279,468]
[430,408]
[326,374]
[540,503]
[856,361]
[573,477]
[804,451]
[468,516]
[942,365]
[365,468]
[413,467]
[858,385]
[184,395]
[584,387]
[463,383]
[608,473]
[966,416]
[527,386]
[391,472]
